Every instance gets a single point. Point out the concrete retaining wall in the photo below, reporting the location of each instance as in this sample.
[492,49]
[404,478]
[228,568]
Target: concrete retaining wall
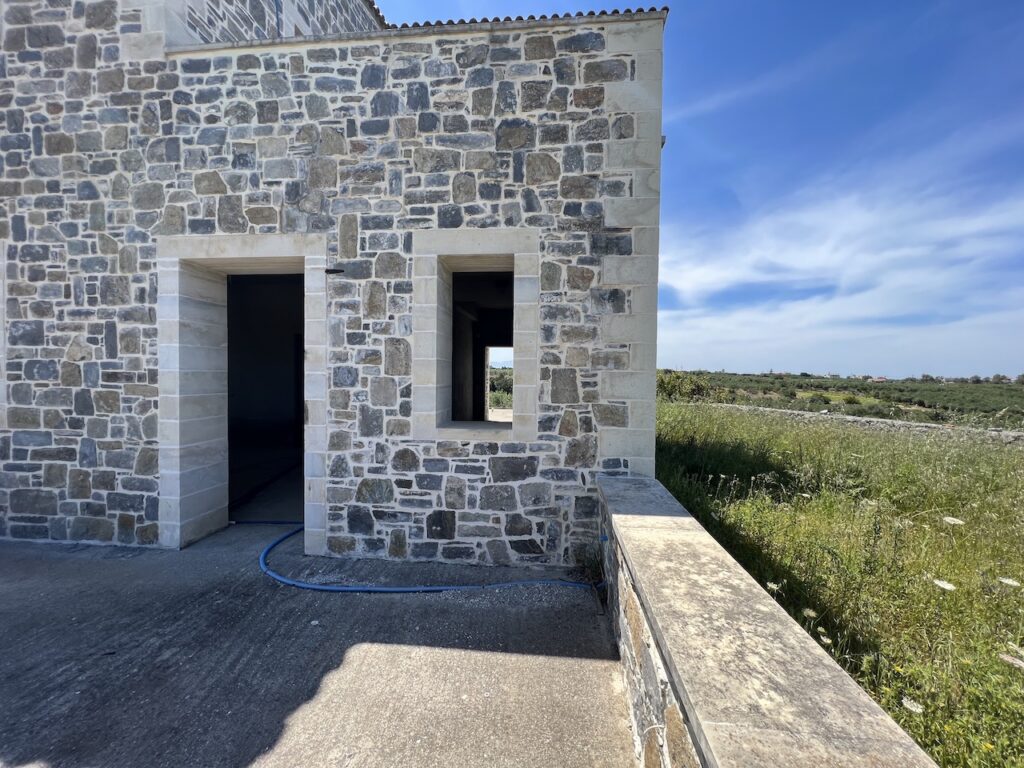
[717,672]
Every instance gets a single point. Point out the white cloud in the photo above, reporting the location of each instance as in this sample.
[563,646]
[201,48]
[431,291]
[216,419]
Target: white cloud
[907,237]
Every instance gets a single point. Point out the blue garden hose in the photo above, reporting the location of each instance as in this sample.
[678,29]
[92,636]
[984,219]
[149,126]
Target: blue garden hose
[402,590]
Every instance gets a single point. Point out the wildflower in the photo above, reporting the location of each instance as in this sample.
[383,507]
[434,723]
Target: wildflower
[773,587]
[810,613]
[912,706]
[953,520]
[943,585]
[1008,581]
[825,640]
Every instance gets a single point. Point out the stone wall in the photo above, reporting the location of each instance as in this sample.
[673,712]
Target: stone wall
[661,736]
[949,431]
[107,146]
[716,672]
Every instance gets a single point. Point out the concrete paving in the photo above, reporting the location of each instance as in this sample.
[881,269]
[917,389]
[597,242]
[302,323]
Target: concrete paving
[117,657]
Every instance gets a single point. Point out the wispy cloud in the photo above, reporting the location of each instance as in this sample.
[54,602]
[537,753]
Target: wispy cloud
[816,64]
[898,265]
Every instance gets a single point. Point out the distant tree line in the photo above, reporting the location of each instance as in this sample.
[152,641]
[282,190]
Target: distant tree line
[994,401]
[500,387]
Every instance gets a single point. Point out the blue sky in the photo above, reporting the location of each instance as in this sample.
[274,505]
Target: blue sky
[843,183]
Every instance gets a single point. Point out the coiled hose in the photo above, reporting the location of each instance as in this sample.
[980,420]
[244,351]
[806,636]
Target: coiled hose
[280,578]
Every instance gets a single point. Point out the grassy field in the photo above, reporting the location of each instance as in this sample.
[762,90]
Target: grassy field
[978,403]
[903,554]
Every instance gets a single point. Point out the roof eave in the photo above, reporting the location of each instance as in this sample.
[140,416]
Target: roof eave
[431,28]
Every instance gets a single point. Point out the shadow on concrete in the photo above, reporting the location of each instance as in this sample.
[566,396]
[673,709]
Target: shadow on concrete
[127,657]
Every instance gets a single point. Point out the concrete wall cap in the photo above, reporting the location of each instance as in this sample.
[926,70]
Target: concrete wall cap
[756,689]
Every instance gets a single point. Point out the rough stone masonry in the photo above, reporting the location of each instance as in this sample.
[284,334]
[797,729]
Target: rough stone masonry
[123,126]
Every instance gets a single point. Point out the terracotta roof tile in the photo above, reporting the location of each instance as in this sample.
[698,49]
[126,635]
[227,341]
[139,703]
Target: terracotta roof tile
[542,17]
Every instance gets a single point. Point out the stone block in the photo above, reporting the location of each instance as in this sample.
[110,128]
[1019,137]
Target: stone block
[209,183]
[33,501]
[397,357]
[635,36]
[610,416]
[581,451]
[505,469]
[91,529]
[564,386]
[539,47]
[25,333]
[429,160]
[500,498]
[582,42]
[148,196]
[440,524]
[627,385]
[142,46]
[628,154]
[323,173]
[542,168]
[631,212]
[629,270]
[375,490]
[623,329]
[608,70]
[44,36]
[515,133]
[633,96]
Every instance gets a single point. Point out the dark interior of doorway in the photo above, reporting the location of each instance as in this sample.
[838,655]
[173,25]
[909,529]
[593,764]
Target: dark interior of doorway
[265,401]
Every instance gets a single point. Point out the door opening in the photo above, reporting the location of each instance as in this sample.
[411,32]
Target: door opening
[265,397]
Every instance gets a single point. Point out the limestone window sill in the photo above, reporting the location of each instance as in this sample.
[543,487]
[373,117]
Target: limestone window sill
[475,430]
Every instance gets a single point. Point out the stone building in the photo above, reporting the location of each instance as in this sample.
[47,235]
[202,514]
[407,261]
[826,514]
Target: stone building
[423,193]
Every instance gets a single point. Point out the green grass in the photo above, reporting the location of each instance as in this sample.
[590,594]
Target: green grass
[844,526]
[961,402]
[499,399]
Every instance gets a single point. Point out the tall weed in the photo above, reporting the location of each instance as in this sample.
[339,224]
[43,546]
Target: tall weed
[899,552]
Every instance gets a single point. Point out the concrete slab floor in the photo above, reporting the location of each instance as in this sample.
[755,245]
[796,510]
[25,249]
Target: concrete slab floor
[278,500]
[116,657]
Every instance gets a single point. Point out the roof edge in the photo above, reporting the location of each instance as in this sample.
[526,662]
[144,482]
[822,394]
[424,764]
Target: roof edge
[378,14]
[418,29]
[542,17]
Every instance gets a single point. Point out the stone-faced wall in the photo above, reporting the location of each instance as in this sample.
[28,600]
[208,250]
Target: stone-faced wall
[553,126]
[222,21]
[716,672]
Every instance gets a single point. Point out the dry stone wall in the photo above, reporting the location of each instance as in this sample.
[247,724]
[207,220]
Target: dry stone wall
[554,127]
